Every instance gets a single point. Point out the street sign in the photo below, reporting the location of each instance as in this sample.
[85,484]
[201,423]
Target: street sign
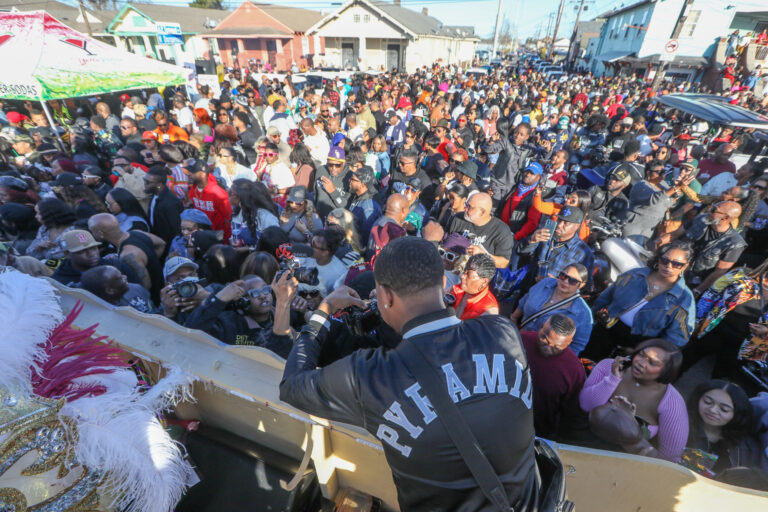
[169,33]
[669,51]
[671,46]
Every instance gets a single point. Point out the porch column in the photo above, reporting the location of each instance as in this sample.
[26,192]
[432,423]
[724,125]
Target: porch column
[361,54]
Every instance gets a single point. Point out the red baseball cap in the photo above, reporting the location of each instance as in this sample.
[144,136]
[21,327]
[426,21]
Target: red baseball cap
[148,135]
[124,98]
[15,117]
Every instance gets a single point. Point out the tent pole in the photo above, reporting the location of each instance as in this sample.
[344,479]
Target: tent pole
[53,124]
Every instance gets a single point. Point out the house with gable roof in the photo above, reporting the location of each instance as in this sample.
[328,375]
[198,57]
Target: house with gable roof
[273,34]
[134,28]
[367,35]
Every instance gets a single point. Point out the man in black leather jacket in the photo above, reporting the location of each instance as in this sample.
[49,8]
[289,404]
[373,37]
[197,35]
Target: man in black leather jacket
[486,375]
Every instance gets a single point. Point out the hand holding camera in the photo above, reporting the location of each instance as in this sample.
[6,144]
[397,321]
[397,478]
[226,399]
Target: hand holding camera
[342,297]
[232,292]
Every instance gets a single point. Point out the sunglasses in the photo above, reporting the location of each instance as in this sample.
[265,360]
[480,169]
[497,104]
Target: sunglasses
[759,187]
[260,292]
[449,256]
[671,263]
[162,124]
[125,127]
[570,280]
[309,294]
[334,164]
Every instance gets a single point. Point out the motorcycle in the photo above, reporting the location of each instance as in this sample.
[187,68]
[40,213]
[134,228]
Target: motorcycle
[614,254]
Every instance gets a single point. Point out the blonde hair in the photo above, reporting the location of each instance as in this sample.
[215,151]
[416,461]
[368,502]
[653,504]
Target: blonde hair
[347,222]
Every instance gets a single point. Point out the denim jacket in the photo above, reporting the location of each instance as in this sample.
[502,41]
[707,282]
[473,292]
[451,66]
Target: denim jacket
[669,315]
[578,311]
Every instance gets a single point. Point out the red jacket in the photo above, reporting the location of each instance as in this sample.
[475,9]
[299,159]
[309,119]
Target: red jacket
[533,216]
[214,202]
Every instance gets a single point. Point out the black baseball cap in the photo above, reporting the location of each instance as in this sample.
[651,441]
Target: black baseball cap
[366,175]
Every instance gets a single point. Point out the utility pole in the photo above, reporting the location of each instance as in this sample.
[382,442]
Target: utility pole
[675,34]
[557,25]
[496,31]
[549,25]
[572,46]
[84,14]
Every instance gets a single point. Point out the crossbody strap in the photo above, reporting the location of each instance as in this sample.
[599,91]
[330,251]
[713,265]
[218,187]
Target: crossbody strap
[461,435]
[544,311]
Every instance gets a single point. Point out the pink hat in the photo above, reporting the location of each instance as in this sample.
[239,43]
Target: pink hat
[443,87]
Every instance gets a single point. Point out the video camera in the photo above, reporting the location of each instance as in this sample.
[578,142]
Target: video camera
[289,263]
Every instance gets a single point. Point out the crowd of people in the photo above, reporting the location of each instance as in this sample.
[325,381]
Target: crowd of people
[245,214]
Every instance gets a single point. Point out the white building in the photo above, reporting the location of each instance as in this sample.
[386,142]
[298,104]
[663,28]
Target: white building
[376,35]
[634,37]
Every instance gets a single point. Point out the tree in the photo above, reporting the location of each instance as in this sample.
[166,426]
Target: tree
[207,4]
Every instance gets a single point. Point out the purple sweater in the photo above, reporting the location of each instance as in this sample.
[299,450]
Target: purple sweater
[673,416]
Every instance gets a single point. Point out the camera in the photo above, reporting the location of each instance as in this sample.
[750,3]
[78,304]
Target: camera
[187,287]
[361,321]
[288,263]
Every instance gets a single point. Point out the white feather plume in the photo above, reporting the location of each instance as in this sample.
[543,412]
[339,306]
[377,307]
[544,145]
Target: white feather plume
[120,434]
[29,311]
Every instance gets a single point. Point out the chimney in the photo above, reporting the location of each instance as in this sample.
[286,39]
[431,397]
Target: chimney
[396,2]
[425,11]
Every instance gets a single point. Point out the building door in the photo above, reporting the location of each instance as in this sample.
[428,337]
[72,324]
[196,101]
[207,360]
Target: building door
[272,53]
[348,57]
[393,57]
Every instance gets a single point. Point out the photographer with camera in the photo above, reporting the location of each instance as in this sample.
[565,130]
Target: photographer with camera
[184,290]
[440,371]
[244,313]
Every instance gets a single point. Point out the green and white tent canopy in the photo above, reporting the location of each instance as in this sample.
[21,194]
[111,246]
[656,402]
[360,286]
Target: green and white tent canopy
[43,59]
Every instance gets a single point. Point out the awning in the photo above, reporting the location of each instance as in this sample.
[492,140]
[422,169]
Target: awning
[615,56]
[679,60]
[44,59]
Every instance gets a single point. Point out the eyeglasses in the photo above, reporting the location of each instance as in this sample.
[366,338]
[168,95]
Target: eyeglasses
[125,127]
[409,136]
[457,162]
[672,263]
[449,256]
[270,154]
[406,162]
[162,124]
[309,294]
[334,164]
[570,280]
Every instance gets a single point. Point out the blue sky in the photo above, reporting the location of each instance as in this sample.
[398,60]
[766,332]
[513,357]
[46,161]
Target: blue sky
[527,14]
